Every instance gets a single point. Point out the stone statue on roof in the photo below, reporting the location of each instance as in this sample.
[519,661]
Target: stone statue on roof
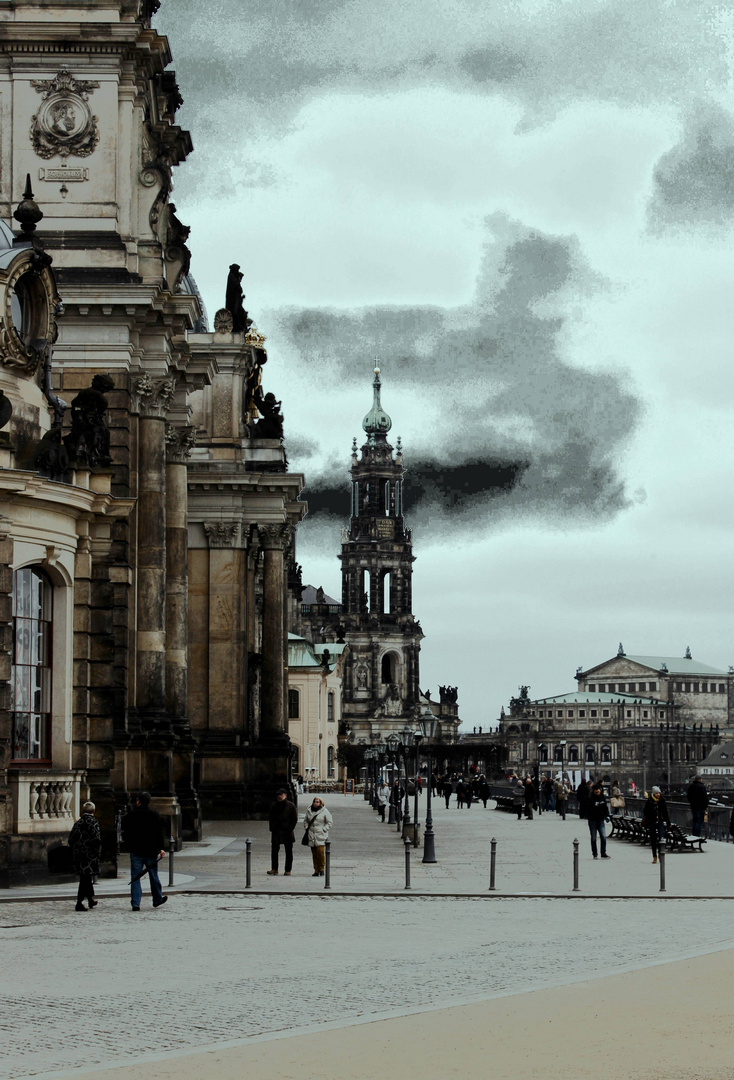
[234,301]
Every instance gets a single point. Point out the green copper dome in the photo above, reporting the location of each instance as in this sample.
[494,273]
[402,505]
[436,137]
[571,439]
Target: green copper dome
[376,422]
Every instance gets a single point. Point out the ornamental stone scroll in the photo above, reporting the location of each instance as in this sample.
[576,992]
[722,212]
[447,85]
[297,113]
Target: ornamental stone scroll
[152,397]
[222,534]
[179,443]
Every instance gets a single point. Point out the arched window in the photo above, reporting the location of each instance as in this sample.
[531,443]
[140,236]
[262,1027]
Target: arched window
[398,494]
[590,755]
[330,762]
[355,499]
[386,592]
[573,754]
[294,705]
[30,688]
[606,755]
[330,706]
[387,672]
[543,753]
[387,498]
[558,753]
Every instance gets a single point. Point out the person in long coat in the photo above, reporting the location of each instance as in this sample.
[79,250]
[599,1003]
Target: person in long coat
[655,817]
[85,841]
[383,799]
[283,820]
[317,821]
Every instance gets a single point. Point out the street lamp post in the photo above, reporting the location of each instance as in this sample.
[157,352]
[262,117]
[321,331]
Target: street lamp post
[366,760]
[407,738]
[393,742]
[380,749]
[429,726]
[418,738]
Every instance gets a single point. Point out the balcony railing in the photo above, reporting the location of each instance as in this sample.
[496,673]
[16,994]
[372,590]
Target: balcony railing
[44,801]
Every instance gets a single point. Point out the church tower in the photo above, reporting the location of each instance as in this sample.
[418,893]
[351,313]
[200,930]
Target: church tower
[381,677]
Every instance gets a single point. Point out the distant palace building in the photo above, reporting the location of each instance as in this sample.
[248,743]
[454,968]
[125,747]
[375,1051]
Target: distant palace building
[641,718]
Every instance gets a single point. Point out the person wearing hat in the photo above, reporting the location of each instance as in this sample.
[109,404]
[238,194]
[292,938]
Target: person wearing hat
[142,835]
[654,818]
[318,821]
[283,818]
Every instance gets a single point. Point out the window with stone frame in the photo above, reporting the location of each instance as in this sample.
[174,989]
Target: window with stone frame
[543,754]
[330,762]
[590,758]
[606,755]
[294,705]
[330,706]
[30,684]
[573,755]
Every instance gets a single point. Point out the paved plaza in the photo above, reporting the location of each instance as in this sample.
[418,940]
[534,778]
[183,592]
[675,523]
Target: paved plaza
[218,964]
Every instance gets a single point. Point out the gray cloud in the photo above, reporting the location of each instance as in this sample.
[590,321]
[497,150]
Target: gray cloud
[518,430]
[694,182]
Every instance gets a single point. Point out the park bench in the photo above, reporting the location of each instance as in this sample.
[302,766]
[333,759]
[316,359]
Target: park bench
[505,802]
[629,828]
[680,841]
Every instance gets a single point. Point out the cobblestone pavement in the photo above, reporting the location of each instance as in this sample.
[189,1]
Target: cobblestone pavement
[105,986]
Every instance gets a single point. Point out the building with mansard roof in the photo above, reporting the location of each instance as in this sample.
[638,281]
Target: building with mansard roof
[147,515]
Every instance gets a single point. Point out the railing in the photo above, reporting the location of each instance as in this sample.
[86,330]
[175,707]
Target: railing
[44,802]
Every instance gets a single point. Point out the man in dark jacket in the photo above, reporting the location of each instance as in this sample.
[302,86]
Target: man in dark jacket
[698,799]
[597,813]
[283,820]
[142,835]
[654,818]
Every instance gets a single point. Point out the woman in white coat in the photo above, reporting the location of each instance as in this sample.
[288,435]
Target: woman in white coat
[318,822]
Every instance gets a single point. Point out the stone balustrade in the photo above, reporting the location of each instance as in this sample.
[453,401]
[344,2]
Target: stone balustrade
[44,801]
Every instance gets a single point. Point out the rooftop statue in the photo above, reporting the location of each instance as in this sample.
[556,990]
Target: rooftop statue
[271,425]
[234,301]
[88,442]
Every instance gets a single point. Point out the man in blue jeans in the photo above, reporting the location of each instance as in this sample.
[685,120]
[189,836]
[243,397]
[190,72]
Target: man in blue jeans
[597,812]
[142,834]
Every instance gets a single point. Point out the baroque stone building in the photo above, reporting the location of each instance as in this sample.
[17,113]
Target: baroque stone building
[147,516]
[647,719]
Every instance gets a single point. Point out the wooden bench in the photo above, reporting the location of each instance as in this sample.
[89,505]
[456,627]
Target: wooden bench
[505,802]
[680,841]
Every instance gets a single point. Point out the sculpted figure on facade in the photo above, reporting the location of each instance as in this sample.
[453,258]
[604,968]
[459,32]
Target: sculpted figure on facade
[235,300]
[64,123]
[88,442]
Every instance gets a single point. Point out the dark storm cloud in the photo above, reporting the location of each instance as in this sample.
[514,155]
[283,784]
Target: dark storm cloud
[694,182]
[247,69]
[517,430]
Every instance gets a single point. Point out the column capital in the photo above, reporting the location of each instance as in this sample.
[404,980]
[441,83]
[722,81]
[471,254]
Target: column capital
[179,443]
[275,537]
[152,397]
[222,534]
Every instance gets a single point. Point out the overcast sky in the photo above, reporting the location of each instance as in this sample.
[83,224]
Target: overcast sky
[524,209]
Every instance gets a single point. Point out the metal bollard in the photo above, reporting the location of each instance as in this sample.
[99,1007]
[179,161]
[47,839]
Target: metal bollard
[171,849]
[492,862]
[575,866]
[327,875]
[408,846]
[248,863]
[661,860]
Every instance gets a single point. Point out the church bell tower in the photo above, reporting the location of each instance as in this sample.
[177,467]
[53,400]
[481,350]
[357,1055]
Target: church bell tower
[381,678]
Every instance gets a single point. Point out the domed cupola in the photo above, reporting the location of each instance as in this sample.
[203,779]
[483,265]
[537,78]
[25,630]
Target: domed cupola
[376,422]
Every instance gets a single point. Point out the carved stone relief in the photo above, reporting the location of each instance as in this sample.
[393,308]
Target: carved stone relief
[64,123]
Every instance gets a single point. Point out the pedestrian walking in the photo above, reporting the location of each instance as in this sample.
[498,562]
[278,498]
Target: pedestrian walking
[597,814]
[283,819]
[531,798]
[142,835]
[448,791]
[698,800]
[561,792]
[654,818]
[518,801]
[383,799]
[548,801]
[484,791]
[85,841]
[318,821]
[582,794]
[299,784]
[469,794]
[460,794]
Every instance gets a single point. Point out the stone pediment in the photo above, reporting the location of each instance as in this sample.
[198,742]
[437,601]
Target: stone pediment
[618,668]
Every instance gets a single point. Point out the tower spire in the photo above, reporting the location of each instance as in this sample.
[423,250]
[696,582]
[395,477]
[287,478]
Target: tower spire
[376,422]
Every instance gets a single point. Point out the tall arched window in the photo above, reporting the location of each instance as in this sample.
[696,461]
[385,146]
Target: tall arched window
[30,685]
[543,753]
[330,762]
[387,498]
[330,706]
[388,673]
[386,578]
[294,705]
[590,755]
[573,755]
[606,755]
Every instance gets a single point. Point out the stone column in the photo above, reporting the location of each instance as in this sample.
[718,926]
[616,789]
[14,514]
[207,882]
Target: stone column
[226,662]
[275,540]
[179,442]
[253,649]
[151,400]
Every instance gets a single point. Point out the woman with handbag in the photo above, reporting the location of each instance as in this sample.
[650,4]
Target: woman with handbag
[318,821]
[617,799]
